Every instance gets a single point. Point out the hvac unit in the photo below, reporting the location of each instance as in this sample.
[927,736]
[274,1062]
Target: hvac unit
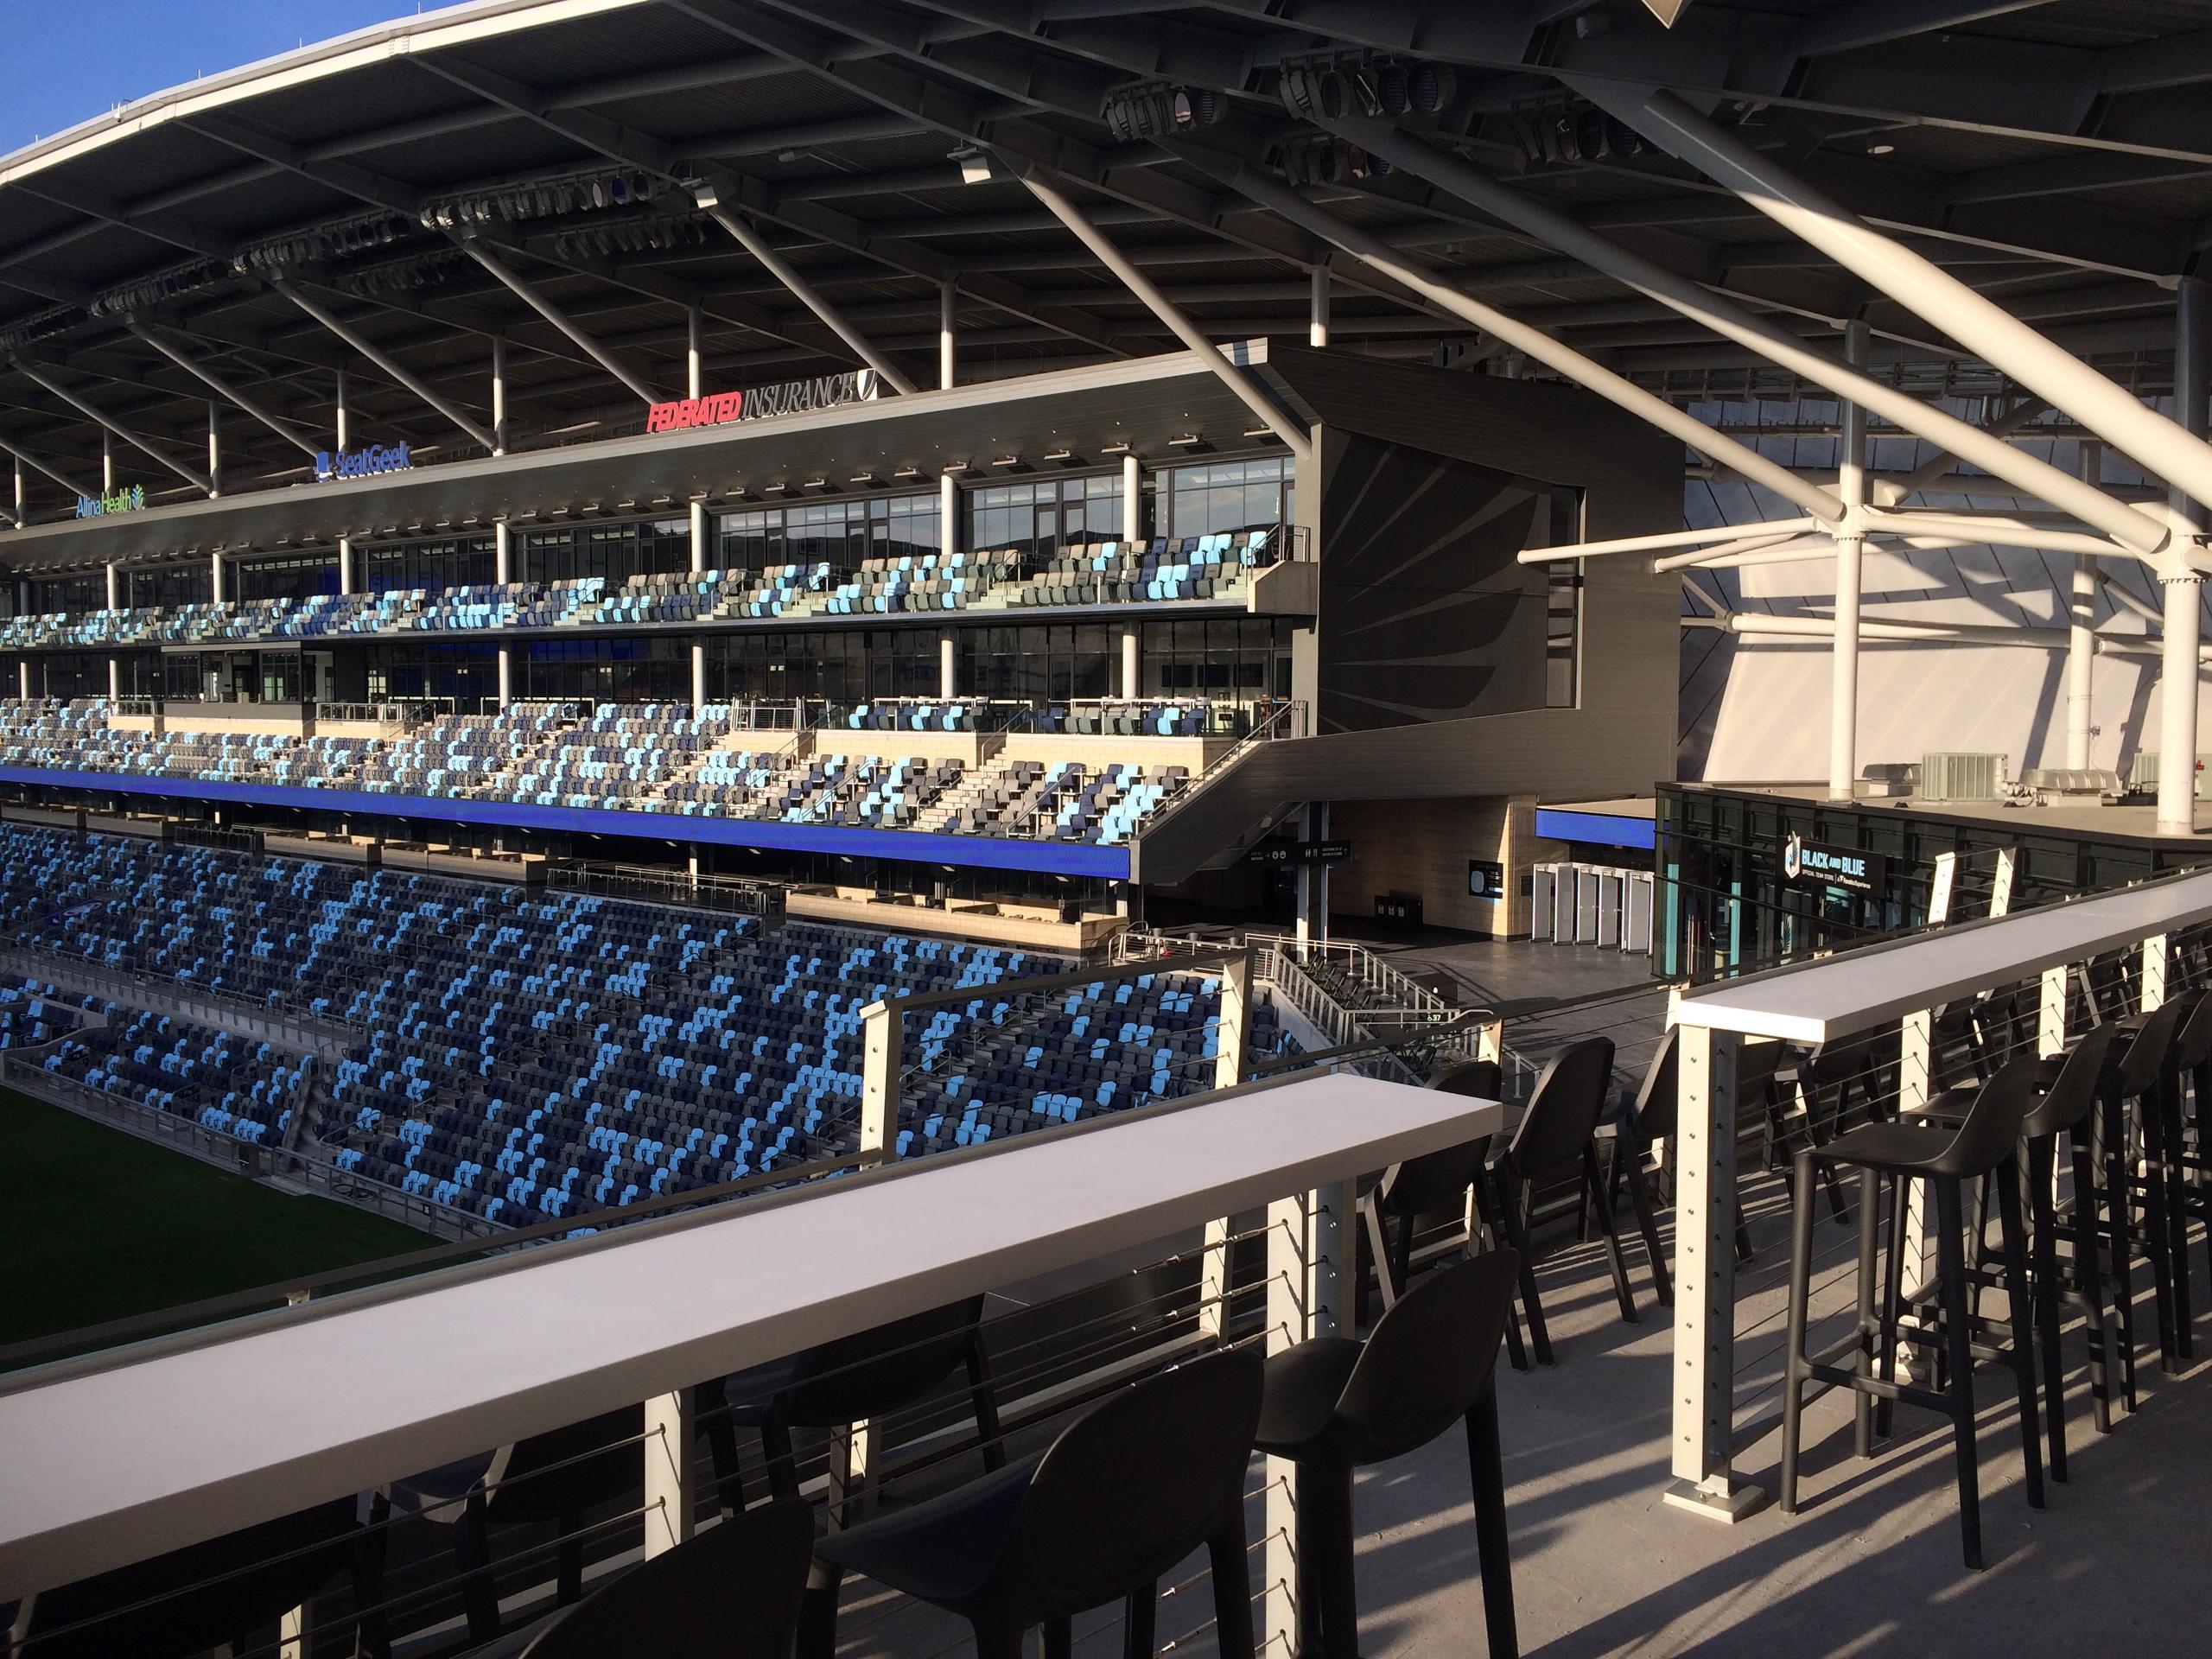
[1959,776]
[2144,774]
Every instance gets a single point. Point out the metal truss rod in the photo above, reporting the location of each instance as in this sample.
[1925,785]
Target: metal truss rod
[198,480]
[38,466]
[2159,444]
[1729,552]
[1668,538]
[1995,529]
[1733,321]
[1237,379]
[1955,633]
[468,427]
[1889,492]
[553,314]
[199,371]
[810,296]
[1372,251]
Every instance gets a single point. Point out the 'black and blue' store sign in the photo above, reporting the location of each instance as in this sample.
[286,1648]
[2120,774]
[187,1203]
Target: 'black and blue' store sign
[1809,864]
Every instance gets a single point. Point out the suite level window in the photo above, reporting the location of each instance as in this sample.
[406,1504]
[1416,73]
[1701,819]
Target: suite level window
[841,533]
[169,584]
[434,564]
[1036,518]
[1228,495]
[81,593]
[614,553]
[300,577]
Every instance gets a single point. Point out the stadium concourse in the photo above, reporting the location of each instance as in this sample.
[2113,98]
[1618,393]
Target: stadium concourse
[831,826]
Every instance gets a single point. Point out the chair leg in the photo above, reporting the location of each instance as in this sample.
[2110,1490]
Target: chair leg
[1232,1588]
[472,1547]
[1401,1259]
[1602,1202]
[2086,1251]
[1329,1582]
[998,1641]
[2042,1248]
[1793,1348]
[1950,1255]
[984,1398]
[721,1446]
[1647,1221]
[776,1448]
[1493,1538]
[2171,1175]
[818,1612]
[1060,1638]
[2006,1178]
[1517,1234]
[1514,1350]
[1870,1258]
[2116,1202]
[1378,1247]
[2155,1234]
[1140,1631]
[1892,1301]
[569,1564]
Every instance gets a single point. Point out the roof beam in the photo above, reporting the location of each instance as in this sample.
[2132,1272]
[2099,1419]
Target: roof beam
[36,465]
[480,434]
[1879,22]
[559,319]
[198,480]
[201,372]
[810,296]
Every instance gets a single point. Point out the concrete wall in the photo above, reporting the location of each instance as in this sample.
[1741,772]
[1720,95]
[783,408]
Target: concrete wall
[1423,847]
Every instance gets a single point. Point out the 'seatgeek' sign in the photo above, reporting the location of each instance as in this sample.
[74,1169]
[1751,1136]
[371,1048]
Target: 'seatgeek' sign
[763,403]
[360,463]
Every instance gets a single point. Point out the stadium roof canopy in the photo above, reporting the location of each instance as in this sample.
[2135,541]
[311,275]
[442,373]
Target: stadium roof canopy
[449,179]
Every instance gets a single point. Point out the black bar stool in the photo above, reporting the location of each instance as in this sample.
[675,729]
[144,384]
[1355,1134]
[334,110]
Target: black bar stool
[732,1592]
[2140,1091]
[1334,1404]
[2192,1130]
[1129,1488]
[1444,1180]
[1556,1135]
[1986,1144]
[857,1379]
[2068,1107]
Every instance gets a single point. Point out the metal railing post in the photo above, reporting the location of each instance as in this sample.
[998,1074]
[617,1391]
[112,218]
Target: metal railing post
[668,1452]
[880,1023]
[2155,957]
[1705,1282]
[1228,1073]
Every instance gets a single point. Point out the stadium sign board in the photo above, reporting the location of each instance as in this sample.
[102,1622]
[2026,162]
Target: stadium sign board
[98,506]
[1813,864]
[361,463]
[764,402]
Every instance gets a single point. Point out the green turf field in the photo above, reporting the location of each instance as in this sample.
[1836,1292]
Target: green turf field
[99,1225]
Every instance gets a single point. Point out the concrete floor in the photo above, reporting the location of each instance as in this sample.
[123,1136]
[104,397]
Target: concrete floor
[2117,1563]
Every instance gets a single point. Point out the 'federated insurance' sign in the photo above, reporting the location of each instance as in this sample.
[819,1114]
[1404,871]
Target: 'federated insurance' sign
[763,403]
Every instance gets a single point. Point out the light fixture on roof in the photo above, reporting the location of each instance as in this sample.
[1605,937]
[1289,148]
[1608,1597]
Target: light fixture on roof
[1060,454]
[1154,110]
[975,164]
[774,489]
[907,472]
[955,465]
[1007,461]
[863,478]
[1881,149]
[1188,441]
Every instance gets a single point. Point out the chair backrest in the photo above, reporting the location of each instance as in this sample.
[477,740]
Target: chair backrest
[2147,1055]
[2066,1102]
[1990,1132]
[1429,1358]
[2193,1046]
[862,1376]
[1659,1097]
[1133,1486]
[567,1470]
[731,1593]
[1439,1178]
[1563,1112]
[209,1592]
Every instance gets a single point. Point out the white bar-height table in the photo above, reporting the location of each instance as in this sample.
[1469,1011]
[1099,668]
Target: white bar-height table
[1902,981]
[106,1464]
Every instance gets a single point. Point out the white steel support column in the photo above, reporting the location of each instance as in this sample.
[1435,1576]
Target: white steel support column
[694,330]
[24,678]
[699,553]
[2082,636]
[475,434]
[1228,1072]
[948,303]
[948,673]
[200,372]
[1703,1440]
[107,463]
[214,451]
[215,577]
[1130,668]
[2164,447]
[1850,571]
[345,564]
[1313,881]
[22,516]
[498,394]
[339,425]
[560,320]
[114,663]
[1295,438]
[503,572]
[1132,500]
[113,587]
[1317,308]
[668,1457]
[808,295]
[948,513]
[2184,588]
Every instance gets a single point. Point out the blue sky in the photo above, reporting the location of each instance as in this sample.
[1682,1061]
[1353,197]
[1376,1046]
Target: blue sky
[70,60]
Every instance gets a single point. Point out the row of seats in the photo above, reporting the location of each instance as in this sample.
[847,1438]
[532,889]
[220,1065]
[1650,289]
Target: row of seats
[1191,568]
[525,1055]
[657,757]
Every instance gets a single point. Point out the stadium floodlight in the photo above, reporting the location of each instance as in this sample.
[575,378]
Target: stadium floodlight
[975,165]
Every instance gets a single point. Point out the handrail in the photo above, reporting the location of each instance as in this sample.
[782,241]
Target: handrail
[1286,719]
